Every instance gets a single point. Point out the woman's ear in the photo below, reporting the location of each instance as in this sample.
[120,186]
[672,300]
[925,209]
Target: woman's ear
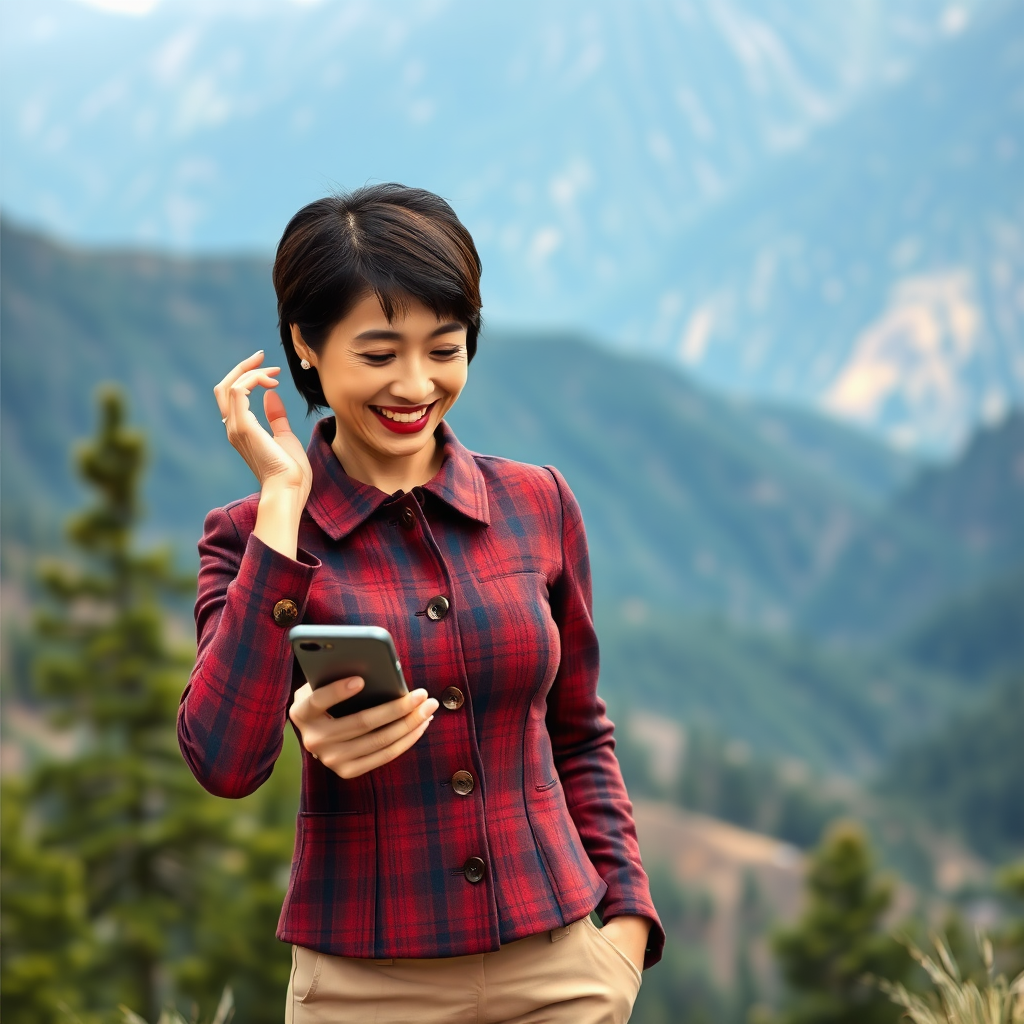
[302,350]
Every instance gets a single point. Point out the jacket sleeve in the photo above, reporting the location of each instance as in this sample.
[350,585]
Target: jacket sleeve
[233,712]
[583,743]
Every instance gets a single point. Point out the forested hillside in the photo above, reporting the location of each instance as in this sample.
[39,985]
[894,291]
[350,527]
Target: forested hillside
[966,778]
[976,636]
[951,529]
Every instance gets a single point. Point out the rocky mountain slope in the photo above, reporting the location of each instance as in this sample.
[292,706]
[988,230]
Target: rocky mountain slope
[877,271]
[807,200]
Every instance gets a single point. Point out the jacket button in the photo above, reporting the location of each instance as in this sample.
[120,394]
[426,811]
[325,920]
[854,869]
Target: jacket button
[286,611]
[462,783]
[407,518]
[438,607]
[452,698]
[474,869]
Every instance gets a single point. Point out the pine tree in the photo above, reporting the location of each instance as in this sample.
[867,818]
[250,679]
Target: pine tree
[125,805]
[44,943]
[831,958]
[123,882]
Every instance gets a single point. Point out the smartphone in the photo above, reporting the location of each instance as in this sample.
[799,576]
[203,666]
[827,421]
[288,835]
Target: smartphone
[327,653]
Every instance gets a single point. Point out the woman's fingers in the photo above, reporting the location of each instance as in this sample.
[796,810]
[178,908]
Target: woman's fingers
[220,391]
[354,744]
[381,739]
[362,721]
[238,392]
[362,765]
[276,415]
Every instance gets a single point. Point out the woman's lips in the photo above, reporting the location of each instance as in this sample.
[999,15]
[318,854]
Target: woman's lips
[402,426]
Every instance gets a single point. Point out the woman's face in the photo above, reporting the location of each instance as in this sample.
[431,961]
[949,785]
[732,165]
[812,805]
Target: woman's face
[390,384]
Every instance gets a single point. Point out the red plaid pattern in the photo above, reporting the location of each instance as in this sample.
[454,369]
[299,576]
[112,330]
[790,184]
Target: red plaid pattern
[377,870]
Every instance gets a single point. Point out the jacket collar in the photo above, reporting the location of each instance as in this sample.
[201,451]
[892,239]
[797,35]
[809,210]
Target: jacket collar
[338,503]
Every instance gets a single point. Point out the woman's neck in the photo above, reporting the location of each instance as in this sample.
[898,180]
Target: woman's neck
[387,474]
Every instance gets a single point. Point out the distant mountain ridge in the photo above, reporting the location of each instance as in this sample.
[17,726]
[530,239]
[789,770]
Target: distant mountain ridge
[948,532]
[806,200]
[875,271]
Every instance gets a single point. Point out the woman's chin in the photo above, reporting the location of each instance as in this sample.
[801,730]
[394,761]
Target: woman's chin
[392,443]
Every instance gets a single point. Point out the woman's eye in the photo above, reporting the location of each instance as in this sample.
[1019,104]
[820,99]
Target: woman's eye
[447,353]
[378,359]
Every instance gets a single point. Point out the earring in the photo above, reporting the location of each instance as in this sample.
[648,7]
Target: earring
[304,363]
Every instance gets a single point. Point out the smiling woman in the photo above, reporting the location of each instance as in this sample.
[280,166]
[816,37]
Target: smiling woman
[437,857]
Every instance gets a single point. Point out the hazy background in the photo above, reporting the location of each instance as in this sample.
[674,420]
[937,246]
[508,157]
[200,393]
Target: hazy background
[753,280]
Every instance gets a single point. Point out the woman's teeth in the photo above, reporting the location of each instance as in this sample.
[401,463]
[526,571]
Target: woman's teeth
[403,417]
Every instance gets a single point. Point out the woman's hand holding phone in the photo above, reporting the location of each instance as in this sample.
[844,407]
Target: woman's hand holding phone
[356,744]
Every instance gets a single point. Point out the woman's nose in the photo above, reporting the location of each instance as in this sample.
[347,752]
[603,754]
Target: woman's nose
[413,383]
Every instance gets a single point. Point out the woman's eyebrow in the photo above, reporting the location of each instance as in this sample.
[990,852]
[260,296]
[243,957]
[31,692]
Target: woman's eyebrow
[375,334]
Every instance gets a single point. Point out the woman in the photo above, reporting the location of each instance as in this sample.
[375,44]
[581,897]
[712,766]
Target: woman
[452,843]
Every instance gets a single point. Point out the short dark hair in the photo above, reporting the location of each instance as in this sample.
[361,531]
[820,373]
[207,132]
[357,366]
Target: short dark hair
[387,240]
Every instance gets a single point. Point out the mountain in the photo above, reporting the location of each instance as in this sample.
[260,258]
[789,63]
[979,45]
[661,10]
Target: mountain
[693,502]
[786,697]
[690,499]
[686,502]
[874,272]
[166,329]
[967,777]
[953,528]
[977,636]
[737,180]
[848,457]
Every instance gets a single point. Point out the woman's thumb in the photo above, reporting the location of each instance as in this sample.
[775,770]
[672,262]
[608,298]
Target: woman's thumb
[276,416]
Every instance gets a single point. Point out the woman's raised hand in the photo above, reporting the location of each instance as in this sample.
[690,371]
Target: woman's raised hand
[278,459]
[356,744]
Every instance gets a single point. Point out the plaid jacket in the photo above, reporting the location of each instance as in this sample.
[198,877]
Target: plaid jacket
[382,862]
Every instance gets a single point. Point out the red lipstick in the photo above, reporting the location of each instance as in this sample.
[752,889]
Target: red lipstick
[397,427]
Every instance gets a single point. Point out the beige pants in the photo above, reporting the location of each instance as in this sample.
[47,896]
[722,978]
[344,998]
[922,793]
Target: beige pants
[572,975]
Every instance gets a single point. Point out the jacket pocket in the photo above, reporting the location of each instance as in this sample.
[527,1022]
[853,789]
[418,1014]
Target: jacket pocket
[308,964]
[332,893]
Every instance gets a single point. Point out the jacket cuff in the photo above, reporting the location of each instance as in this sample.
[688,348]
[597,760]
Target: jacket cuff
[273,586]
[266,598]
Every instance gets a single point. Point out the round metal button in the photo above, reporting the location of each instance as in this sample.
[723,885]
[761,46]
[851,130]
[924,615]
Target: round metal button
[462,783]
[407,518]
[452,698]
[286,611]
[437,608]
[474,869]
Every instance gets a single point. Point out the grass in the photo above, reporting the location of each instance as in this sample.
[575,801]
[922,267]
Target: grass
[225,1011]
[957,1000]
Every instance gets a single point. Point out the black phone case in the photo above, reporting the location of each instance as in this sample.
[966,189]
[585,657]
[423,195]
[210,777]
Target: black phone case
[350,651]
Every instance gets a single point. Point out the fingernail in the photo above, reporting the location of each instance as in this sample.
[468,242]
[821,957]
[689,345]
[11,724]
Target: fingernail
[354,684]
[418,693]
[430,719]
